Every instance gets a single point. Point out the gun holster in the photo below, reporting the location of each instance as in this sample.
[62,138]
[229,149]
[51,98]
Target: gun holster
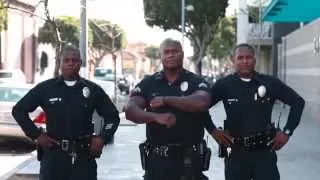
[39,152]
[206,160]
[205,155]
[222,151]
[143,147]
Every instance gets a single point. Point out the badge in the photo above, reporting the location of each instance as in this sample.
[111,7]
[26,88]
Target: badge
[184,86]
[86,92]
[262,91]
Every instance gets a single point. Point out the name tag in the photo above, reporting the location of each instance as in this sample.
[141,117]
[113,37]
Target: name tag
[233,100]
[54,100]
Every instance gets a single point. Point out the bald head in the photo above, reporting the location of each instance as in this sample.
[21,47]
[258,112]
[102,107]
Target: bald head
[170,42]
[171,54]
[70,49]
[70,62]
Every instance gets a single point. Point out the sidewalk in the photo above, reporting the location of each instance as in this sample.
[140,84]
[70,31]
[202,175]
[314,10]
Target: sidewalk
[121,161]
[29,168]
[299,159]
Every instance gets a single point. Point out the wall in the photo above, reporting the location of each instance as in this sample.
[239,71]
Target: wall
[299,65]
[278,31]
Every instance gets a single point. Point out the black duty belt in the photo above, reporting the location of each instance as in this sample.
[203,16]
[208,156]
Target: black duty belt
[173,150]
[258,141]
[74,144]
[69,146]
[188,154]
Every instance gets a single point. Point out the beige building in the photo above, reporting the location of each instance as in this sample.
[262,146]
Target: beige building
[131,60]
[18,42]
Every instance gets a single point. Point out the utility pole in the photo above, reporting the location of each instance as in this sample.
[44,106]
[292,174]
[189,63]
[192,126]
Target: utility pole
[242,22]
[260,29]
[183,8]
[83,43]
[114,59]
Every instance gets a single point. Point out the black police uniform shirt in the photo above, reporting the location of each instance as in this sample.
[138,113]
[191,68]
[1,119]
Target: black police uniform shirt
[68,109]
[189,127]
[249,105]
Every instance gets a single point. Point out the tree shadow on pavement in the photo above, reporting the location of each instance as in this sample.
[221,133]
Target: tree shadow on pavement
[15,146]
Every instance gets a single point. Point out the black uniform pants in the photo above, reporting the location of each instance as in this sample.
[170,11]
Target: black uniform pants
[161,168]
[255,165]
[57,165]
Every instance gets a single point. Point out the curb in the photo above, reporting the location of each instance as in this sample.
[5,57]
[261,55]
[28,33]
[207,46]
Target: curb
[13,171]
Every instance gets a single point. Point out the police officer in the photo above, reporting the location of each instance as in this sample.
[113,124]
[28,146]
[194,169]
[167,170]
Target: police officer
[173,104]
[69,143]
[248,99]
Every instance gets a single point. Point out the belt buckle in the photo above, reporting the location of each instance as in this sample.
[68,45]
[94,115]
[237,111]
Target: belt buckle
[246,141]
[162,150]
[65,145]
[165,150]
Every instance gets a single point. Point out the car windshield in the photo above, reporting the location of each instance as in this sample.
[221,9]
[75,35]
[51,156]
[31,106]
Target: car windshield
[109,77]
[8,94]
[102,72]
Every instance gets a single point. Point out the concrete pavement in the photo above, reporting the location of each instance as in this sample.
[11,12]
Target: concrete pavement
[299,159]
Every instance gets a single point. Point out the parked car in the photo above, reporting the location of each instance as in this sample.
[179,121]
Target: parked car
[108,77]
[10,94]
[100,72]
[122,83]
[12,75]
[107,86]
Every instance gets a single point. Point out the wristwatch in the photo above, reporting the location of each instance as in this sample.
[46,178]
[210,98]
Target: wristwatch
[287,132]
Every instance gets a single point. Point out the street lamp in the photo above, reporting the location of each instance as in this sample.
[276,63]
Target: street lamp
[183,9]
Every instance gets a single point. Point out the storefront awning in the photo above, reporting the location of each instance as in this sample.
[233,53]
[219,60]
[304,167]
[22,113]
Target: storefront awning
[292,11]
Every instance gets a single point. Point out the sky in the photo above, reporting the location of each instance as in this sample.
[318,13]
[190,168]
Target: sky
[127,13]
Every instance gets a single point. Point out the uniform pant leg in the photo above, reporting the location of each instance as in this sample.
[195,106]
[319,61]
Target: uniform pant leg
[237,166]
[185,165]
[84,168]
[265,166]
[192,166]
[54,165]
[160,168]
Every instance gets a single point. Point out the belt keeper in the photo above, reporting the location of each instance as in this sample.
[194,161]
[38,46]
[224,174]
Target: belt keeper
[65,145]
[164,100]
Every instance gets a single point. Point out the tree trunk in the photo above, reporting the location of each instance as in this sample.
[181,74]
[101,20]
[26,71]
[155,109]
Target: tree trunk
[199,68]
[197,57]
[57,57]
[58,40]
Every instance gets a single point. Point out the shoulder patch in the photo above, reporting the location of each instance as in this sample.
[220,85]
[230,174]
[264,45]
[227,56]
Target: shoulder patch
[136,90]
[203,85]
